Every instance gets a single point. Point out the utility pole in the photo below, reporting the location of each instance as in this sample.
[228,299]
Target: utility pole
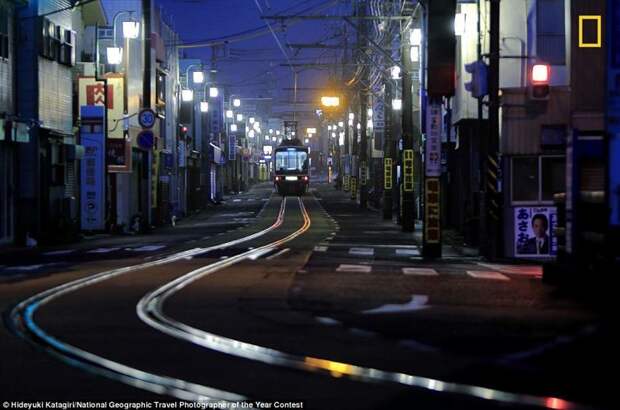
[493,200]
[363,96]
[408,195]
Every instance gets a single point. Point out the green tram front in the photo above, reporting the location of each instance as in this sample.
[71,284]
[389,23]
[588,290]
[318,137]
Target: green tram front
[291,168]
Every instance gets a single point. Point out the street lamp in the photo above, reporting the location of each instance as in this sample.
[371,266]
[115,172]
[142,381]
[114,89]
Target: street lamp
[397,104]
[187,94]
[229,114]
[239,117]
[236,102]
[204,106]
[395,72]
[131,29]
[330,101]
[213,92]
[233,127]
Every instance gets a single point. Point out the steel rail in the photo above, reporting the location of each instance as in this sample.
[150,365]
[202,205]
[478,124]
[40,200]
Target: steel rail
[150,310]
[21,322]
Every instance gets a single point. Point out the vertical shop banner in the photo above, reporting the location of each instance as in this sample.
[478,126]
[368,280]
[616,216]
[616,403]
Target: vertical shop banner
[432,147]
[534,227]
[92,168]
[91,93]
[216,117]
[232,147]
[432,223]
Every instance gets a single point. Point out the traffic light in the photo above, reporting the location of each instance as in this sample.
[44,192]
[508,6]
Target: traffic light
[539,82]
[478,86]
[182,131]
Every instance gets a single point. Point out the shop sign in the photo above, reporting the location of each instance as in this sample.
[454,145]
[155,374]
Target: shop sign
[432,147]
[182,154]
[92,168]
[408,170]
[91,93]
[533,230]
[118,155]
[387,173]
[232,147]
[432,223]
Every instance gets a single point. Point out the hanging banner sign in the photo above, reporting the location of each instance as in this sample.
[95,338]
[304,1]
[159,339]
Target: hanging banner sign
[432,147]
[91,93]
[408,170]
[432,224]
[387,173]
[232,147]
[92,168]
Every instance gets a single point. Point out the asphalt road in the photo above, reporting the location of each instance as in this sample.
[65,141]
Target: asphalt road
[307,300]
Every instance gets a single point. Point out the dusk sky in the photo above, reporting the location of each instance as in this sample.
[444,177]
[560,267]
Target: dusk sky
[255,63]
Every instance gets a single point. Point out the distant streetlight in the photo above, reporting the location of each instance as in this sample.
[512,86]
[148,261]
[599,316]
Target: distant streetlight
[131,29]
[395,72]
[397,104]
[251,134]
[204,106]
[277,132]
[274,138]
[213,92]
[233,127]
[236,102]
[252,120]
[114,55]
[330,101]
[239,117]
[187,95]
[198,77]
[340,124]
[415,37]
[369,113]
[229,114]
[310,130]
[351,116]
[329,128]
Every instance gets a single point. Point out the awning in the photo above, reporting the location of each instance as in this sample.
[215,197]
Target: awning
[93,14]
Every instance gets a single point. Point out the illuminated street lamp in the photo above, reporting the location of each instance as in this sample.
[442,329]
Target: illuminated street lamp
[277,132]
[252,120]
[204,106]
[187,95]
[330,101]
[233,127]
[213,92]
[131,29]
[236,102]
[229,114]
[340,124]
[239,117]
[395,72]
[397,104]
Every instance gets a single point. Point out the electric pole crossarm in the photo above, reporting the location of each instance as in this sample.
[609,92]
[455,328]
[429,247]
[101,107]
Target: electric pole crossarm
[377,47]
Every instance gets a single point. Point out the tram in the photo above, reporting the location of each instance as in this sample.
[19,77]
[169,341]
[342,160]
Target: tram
[291,176]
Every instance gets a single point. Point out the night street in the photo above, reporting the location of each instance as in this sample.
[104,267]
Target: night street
[309,204]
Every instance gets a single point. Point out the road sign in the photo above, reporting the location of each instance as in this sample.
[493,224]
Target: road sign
[146,139]
[146,118]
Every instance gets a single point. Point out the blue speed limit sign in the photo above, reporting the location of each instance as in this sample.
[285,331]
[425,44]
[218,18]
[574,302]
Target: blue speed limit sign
[147,118]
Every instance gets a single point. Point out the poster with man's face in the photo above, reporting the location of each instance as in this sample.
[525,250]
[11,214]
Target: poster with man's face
[534,228]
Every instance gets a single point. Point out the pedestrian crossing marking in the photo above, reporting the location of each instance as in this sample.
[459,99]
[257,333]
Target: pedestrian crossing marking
[362,251]
[487,274]
[354,268]
[407,252]
[320,248]
[530,270]
[420,271]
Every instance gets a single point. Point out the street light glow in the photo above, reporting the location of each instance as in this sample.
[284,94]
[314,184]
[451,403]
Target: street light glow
[187,94]
[369,113]
[198,77]
[114,55]
[340,124]
[213,92]
[252,120]
[414,54]
[251,134]
[131,29]
[330,101]
[237,102]
[395,72]
[233,127]
[397,104]
[229,114]
[277,132]
[204,106]
[351,116]
[415,37]
[310,130]
[329,128]
[239,117]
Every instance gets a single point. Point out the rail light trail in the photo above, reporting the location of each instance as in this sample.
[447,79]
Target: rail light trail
[22,323]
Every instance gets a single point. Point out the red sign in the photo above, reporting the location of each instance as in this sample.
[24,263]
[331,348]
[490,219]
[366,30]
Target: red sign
[94,95]
[432,224]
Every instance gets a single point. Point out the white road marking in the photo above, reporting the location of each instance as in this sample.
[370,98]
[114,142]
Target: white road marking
[103,250]
[354,268]
[320,248]
[407,252]
[327,321]
[237,200]
[282,252]
[417,302]
[150,248]
[528,270]
[55,253]
[348,245]
[362,251]
[420,271]
[487,274]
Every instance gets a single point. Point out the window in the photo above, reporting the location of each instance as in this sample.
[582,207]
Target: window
[67,48]
[4,32]
[550,32]
[291,160]
[536,179]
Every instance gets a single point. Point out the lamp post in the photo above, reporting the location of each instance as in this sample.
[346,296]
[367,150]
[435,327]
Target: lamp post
[131,30]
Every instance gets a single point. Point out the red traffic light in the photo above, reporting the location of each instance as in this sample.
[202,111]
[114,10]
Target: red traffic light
[541,74]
